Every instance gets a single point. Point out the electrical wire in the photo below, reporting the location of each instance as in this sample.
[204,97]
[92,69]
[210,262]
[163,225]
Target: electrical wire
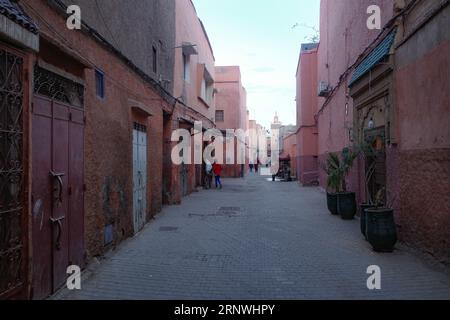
[105,24]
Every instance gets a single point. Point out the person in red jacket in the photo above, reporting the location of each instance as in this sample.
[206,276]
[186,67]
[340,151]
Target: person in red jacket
[217,169]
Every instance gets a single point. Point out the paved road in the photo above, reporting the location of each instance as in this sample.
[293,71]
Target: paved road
[256,239]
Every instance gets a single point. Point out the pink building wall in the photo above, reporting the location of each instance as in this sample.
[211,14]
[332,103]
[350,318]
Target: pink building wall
[191,41]
[231,98]
[344,36]
[189,29]
[290,150]
[422,83]
[307,104]
[418,156]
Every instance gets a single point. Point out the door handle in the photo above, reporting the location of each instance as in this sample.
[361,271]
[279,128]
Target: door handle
[58,192]
[58,222]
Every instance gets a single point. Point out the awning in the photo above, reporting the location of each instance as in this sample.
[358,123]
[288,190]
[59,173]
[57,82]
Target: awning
[377,55]
[189,49]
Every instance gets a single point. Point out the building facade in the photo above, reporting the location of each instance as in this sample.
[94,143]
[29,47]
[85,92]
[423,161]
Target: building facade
[282,132]
[87,118]
[386,88]
[290,152]
[231,114]
[307,103]
[194,77]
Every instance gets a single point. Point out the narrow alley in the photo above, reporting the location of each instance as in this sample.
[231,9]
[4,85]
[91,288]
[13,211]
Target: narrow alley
[255,239]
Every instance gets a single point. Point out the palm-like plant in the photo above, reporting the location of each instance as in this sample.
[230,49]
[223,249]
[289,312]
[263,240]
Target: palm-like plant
[368,153]
[337,169]
[334,173]
[348,158]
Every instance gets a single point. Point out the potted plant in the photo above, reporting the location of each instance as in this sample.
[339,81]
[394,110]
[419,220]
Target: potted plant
[367,152]
[381,231]
[346,200]
[333,182]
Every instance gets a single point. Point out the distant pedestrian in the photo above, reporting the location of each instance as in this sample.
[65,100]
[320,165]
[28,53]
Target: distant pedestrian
[250,165]
[208,174]
[257,166]
[217,169]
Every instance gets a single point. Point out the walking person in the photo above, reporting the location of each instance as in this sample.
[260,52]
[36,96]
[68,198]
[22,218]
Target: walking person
[217,169]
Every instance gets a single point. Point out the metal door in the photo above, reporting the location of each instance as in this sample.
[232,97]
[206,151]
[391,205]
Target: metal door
[377,162]
[13,220]
[57,185]
[139,176]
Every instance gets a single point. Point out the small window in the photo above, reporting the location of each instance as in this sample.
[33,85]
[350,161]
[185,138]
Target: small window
[155,60]
[185,67]
[100,84]
[219,116]
[207,88]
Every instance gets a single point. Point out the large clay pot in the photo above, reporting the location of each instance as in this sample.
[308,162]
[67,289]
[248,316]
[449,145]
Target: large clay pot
[332,203]
[362,218]
[347,205]
[381,231]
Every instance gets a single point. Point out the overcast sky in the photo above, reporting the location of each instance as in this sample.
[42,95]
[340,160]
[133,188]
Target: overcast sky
[258,35]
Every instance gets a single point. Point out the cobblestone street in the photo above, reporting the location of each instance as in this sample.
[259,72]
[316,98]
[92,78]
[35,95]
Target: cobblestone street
[255,239]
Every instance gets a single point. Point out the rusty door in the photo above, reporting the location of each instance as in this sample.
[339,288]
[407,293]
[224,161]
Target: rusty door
[57,186]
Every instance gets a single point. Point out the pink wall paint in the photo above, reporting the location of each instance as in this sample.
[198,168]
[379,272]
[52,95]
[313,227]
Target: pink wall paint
[344,36]
[189,30]
[422,83]
[290,149]
[307,100]
[307,104]
[424,113]
[231,98]
[417,162]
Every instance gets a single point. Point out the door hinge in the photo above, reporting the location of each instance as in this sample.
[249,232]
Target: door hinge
[84,187]
[70,116]
[69,190]
[32,107]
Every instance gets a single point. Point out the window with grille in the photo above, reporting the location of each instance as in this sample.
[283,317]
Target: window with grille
[219,116]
